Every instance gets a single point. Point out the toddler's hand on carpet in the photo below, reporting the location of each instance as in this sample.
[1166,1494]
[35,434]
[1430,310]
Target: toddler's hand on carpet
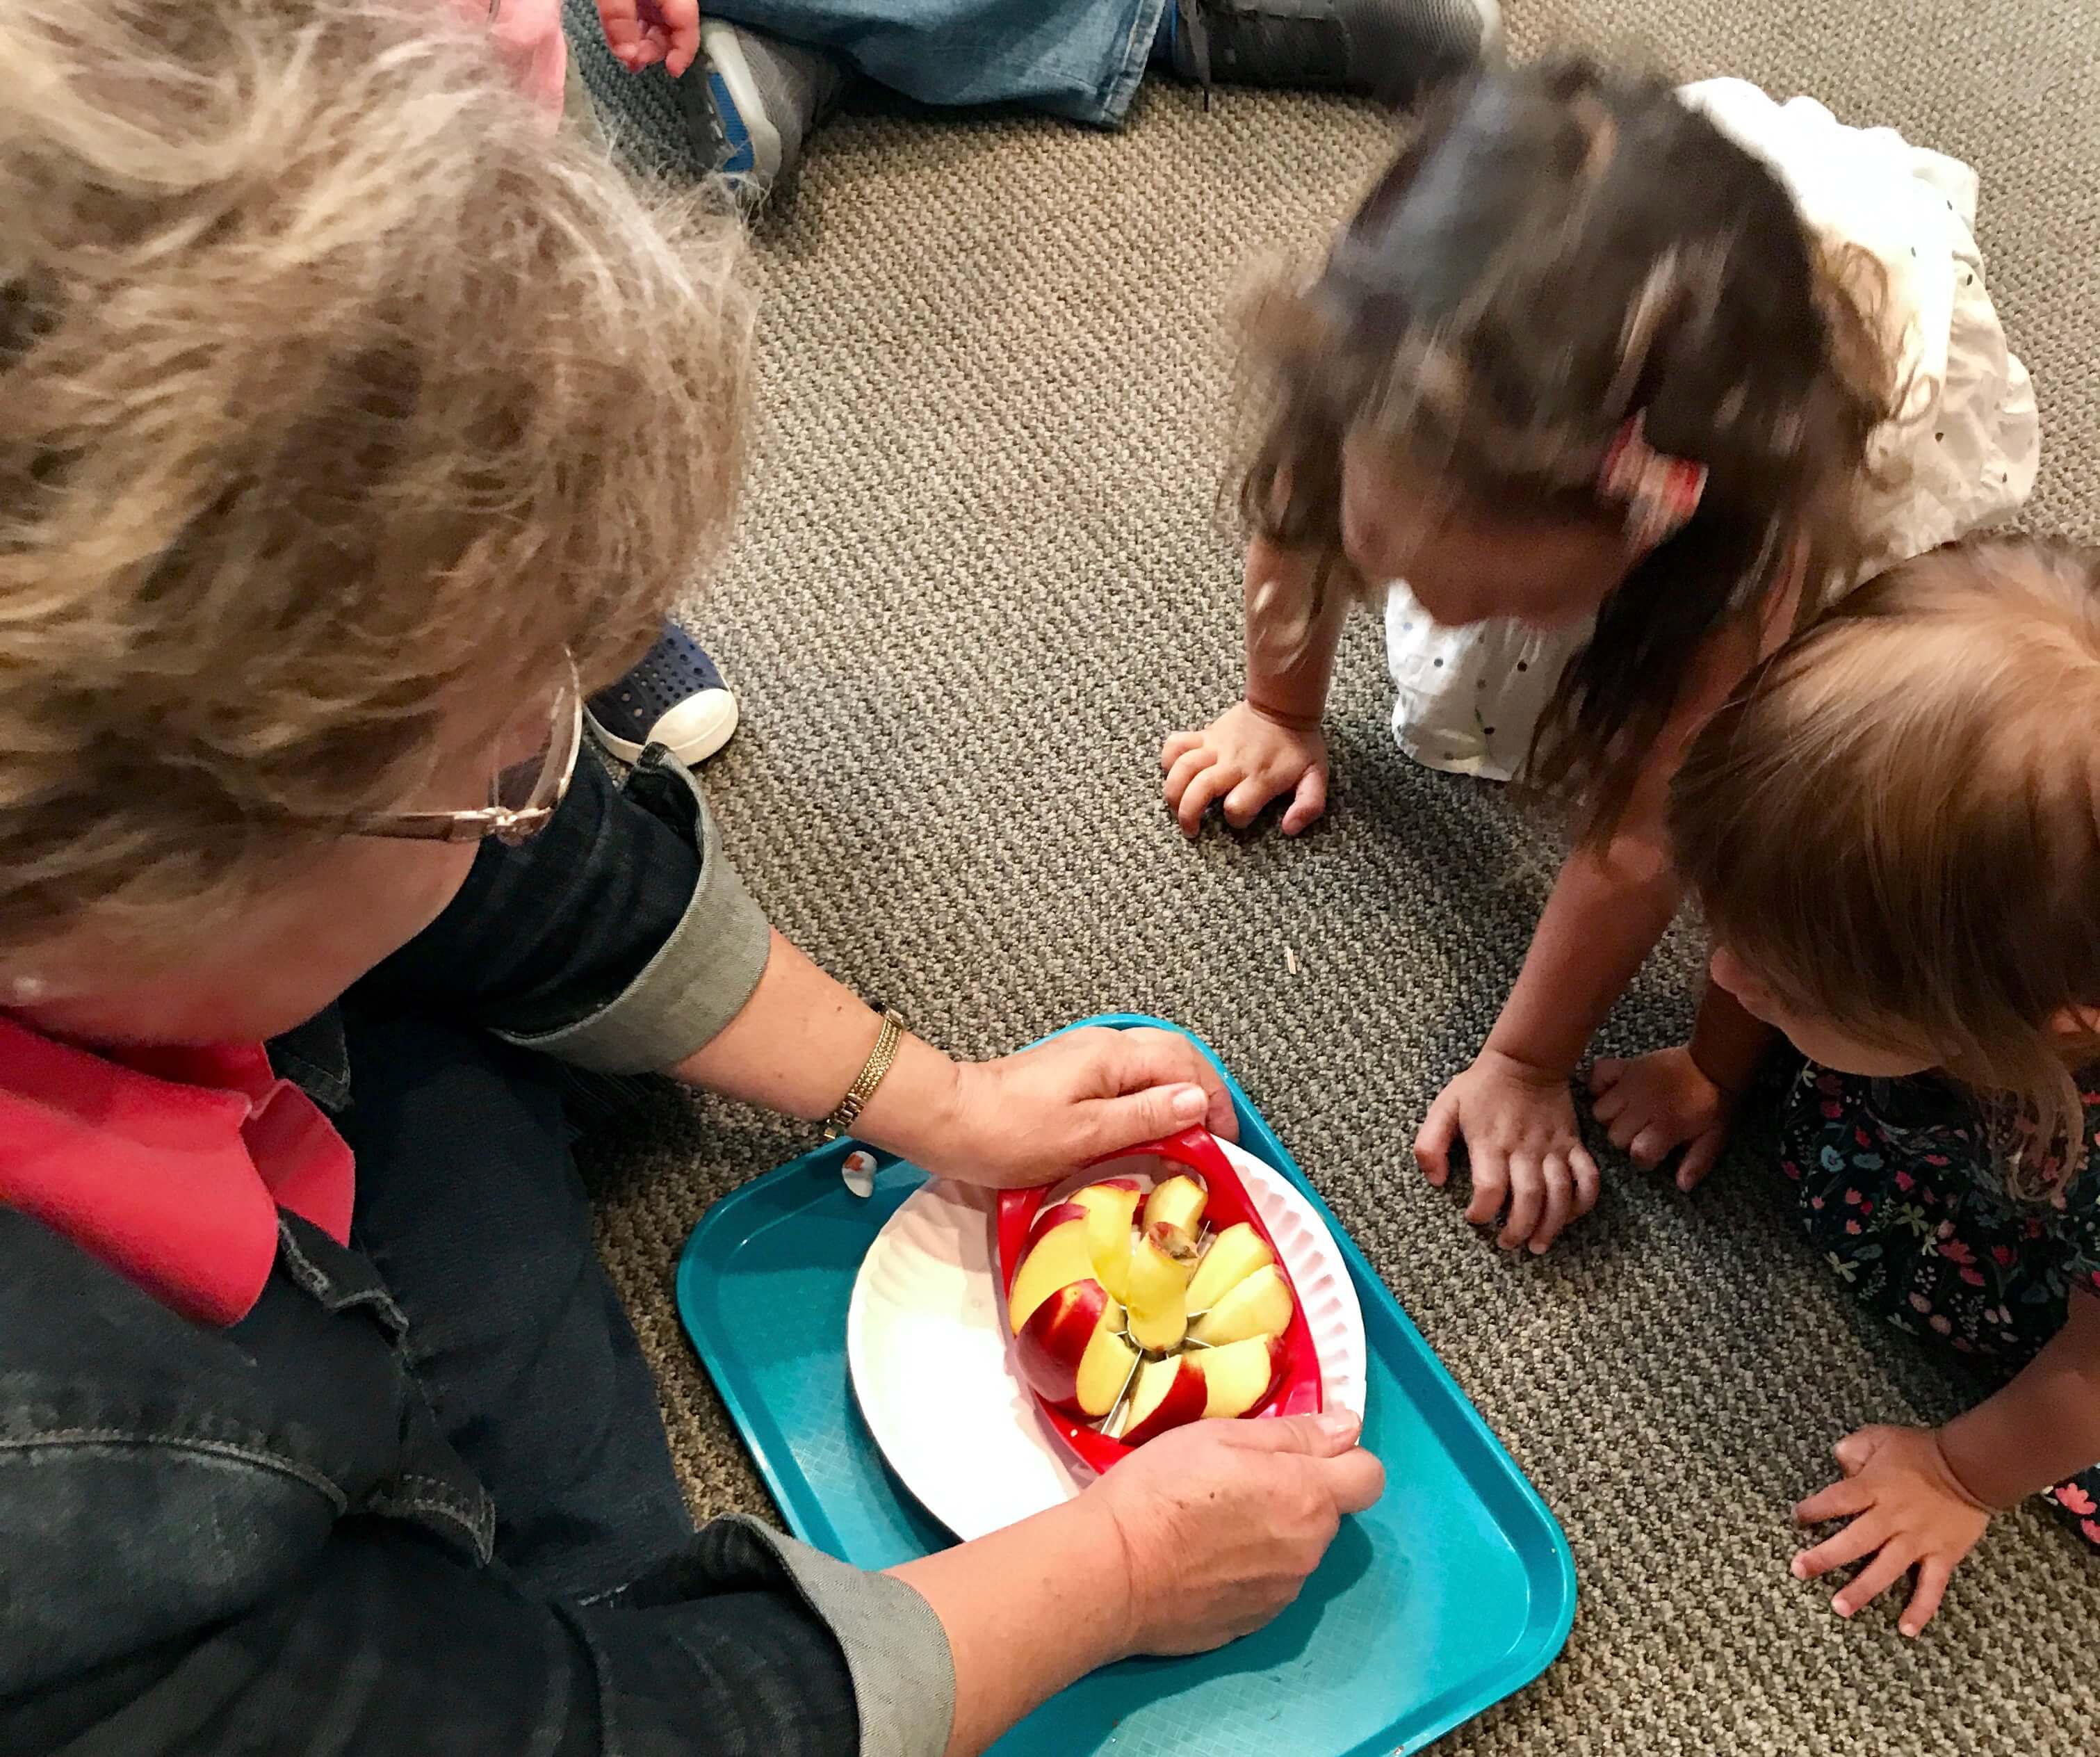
[641,32]
[1906,1509]
[1656,1103]
[1518,1122]
[1029,1117]
[1246,758]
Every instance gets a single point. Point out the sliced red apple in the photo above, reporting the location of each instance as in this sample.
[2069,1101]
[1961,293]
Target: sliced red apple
[1178,1203]
[1235,1254]
[1057,1258]
[1259,1306]
[1167,1394]
[1106,1366]
[1238,1375]
[1056,1215]
[1110,1208]
[1157,1289]
[1072,1346]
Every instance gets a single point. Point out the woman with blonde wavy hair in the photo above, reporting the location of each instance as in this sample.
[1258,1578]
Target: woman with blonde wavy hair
[323,500]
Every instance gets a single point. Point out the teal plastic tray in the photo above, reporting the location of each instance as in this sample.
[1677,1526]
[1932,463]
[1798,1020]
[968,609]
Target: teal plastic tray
[1455,1590]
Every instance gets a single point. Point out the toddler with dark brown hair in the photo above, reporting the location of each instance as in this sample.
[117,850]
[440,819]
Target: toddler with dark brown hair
[1602,388]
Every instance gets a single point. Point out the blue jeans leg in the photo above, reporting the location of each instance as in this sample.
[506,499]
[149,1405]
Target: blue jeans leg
[1081,59]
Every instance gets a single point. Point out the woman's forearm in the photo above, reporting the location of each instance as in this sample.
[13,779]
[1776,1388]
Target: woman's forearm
[800,1041]
[1027,1611]
[2044,1428]
[1609,907]
[1294,629]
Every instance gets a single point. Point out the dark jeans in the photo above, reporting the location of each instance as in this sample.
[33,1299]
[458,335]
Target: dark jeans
[469,1205]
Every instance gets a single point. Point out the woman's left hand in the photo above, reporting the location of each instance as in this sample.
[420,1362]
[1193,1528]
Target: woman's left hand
[1034,1116]
[1905,1510]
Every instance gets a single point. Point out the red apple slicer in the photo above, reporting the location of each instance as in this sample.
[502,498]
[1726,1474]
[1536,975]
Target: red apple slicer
[1298,1386]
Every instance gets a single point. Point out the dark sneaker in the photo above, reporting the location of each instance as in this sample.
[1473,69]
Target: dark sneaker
[751,103]
[1385,49]
[674,697]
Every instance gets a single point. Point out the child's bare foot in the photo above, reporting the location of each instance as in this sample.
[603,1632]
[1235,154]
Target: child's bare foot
[1246,758]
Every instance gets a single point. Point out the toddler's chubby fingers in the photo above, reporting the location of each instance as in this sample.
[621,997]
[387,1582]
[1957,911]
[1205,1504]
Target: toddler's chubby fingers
[1589,1181]
[1698,1161]
[1608,1098]
[1527,1201]
[1647,1148]
[1559,1181]
[1245,802]
[1889,1566]
[1841,1500]
[681,20]
[1433,1141]
[1932,1575]
[1178,745]
[1863,1537]
[1187,766]
[1490,1169]
[1307,803]
[1210,786]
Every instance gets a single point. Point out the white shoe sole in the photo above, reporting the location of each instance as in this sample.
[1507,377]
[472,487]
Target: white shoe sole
[692,730]
[724,51]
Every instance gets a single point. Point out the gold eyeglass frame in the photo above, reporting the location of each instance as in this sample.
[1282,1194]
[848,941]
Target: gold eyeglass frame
[509,824]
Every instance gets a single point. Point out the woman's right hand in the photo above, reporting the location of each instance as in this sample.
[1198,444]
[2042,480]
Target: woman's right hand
[1246,758]
[1221,1521]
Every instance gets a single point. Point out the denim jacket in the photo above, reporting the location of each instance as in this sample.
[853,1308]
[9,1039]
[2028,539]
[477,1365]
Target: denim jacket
[258,1539]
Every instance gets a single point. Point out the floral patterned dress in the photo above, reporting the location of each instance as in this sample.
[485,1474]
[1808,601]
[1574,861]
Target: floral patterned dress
[1898,1184]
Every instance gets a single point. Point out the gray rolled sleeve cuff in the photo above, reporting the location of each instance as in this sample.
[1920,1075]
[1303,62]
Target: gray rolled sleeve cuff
[896,1651]
[698,981]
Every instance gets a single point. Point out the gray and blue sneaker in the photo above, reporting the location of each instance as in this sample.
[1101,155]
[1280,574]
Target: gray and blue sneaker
[750,103]
[675,697]
[1383,49]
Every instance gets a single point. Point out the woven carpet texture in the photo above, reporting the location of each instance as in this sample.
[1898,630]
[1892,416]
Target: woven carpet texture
[980,573]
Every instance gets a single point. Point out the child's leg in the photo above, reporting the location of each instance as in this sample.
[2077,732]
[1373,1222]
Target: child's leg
[1895,1182]
[2078,1501]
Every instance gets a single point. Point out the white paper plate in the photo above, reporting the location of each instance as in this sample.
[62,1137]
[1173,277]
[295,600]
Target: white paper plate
[926,1345]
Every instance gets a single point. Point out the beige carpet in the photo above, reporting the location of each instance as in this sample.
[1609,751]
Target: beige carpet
[981,576]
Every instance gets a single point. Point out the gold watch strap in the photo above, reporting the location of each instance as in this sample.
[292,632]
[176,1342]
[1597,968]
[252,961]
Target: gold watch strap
[871,1074]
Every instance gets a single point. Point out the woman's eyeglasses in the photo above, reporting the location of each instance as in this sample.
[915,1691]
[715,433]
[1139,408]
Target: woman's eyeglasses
[522,796]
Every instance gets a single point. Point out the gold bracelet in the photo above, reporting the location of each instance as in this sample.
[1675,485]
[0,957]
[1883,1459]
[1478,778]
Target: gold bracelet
[872,1071]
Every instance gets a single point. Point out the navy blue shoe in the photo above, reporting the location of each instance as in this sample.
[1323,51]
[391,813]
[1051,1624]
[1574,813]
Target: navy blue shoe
[675,697]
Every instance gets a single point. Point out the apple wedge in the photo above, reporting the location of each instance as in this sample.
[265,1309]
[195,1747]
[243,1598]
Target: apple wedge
[1058,1257]
[1072,1349]
[1106,1366]
[1157,1289]
[1178,1203]
[1110,1208]
[1259,1306]
[1235,1254]
[1238,1375]
[1167,1394]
